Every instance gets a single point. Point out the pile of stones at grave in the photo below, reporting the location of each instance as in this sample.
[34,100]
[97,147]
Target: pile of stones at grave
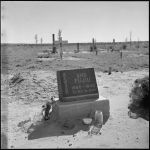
[28,88]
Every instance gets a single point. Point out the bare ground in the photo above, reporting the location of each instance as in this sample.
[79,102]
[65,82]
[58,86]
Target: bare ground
[20,99]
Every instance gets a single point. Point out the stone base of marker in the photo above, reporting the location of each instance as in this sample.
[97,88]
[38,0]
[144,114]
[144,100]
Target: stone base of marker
[81,109]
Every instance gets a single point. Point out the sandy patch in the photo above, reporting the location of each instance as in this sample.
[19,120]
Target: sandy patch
[46,59]
[64,58]
[72,58]
[68,52]
[85,52]
[137,55]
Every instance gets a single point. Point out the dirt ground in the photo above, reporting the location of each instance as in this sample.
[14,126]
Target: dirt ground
[39,83]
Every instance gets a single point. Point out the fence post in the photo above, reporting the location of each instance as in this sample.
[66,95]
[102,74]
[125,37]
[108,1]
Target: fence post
[60,47]
[53,47]
[77,47]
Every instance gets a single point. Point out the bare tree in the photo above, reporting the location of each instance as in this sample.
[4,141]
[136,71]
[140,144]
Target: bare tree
[59,33]
[36,38]
[93,43]
[41,40]
[60,42]
[126,40]
[125,43]
[130,37]
[138,42]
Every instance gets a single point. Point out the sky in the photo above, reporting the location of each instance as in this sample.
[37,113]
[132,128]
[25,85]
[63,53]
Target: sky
[80,21]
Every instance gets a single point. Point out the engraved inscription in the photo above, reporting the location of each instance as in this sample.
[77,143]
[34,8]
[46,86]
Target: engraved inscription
[81,78]
[87,88]
[65,83]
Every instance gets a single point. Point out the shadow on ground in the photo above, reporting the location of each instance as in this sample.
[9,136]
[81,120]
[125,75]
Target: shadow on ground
[57,127]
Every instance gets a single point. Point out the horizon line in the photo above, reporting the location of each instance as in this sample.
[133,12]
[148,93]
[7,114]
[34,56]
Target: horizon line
[75,42]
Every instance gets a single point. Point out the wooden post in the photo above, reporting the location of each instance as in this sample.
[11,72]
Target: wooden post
[120,54]
[95,47]
[121,62]
[122,66]
[93,44]
[113,43]
[60,47]
[77,47]
[109,71]
[53,47]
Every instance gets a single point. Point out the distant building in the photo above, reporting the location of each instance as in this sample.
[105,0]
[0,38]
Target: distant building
[63,42]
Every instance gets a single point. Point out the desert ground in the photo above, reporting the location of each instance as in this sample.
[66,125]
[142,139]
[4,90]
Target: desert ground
[38,83]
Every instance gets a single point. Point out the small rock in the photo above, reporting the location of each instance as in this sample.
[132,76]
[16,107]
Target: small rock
[12,146]
[18,65]
[105,87]
[70,144]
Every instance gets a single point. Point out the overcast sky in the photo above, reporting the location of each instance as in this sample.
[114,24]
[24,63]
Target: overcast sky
[79,21]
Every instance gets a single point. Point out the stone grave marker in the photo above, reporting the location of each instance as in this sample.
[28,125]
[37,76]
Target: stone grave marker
[77,84]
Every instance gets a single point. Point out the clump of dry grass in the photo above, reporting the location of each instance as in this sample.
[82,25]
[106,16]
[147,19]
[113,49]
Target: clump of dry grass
[140,98]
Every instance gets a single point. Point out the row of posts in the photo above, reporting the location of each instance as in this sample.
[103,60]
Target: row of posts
[60,46]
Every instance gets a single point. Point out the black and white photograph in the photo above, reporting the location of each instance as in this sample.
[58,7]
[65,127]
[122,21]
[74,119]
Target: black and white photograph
[74,74]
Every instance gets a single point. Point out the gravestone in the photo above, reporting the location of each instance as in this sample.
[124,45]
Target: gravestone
[77,85]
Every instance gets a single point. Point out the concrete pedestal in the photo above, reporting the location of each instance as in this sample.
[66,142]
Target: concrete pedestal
[81,109]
